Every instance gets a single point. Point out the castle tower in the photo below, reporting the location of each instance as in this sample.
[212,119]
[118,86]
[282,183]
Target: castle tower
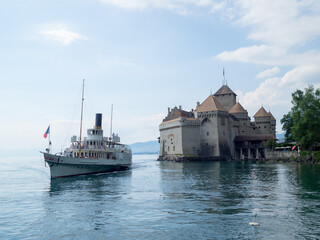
[273,124]
[214,129]
[179,134]
[226,97]
[263,121]
[242,115]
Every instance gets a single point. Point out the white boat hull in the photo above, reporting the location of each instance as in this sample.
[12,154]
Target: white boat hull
[62,166]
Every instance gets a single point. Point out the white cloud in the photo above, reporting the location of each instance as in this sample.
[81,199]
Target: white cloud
[281,30]
[60,33]
[261,54]
[275,93]
[280,27]
[268,73]
[182,7]
[283,23]
[269,55]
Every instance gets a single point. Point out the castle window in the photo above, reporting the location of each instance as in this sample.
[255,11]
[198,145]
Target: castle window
[265,127]
[207,133]
[259,126]
[168,148]
[174,148]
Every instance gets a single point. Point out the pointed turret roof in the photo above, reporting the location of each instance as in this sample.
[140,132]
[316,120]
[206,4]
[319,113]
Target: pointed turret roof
[272,117]
[210,104]
[261,113]
[224,90]
[237,108]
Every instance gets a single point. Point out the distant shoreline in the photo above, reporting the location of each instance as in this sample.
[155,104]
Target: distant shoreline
[145,153]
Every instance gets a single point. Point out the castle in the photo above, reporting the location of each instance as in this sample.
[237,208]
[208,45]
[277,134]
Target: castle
[219,128]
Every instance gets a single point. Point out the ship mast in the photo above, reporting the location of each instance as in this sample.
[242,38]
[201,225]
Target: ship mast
[111,122]
[81,118]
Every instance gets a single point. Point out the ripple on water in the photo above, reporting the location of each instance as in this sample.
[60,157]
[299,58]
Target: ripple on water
[160,200]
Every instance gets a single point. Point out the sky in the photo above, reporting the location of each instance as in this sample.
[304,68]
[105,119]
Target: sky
[144,56]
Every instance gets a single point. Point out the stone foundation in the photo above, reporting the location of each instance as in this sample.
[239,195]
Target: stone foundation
[282,156]
[189,158]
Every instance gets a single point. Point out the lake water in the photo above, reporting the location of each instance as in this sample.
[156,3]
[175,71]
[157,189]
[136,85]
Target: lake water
[161,200]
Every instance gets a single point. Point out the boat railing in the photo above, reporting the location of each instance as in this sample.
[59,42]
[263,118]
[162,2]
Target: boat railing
[109,146]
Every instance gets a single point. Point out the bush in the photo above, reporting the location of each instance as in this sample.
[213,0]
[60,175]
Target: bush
[316,155]
[270,144]
[305,154]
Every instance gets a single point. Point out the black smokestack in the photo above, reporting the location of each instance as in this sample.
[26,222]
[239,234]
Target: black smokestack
[98,120]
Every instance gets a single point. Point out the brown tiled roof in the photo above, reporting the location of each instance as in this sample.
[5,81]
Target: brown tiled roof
[177,119]
[224,90]
[254,138]
[272,117]
[261,113]
[169,121]
[237,108]
[176,112]
[210,104]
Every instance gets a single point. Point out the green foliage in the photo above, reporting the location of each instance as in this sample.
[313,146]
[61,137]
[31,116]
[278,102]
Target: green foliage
[305,153]
[287,123]
[270,144]
[302,123]
[285,144]
[316,156]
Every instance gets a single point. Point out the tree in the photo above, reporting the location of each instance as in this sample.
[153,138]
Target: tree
[270,144]
[302,123]
[287,124]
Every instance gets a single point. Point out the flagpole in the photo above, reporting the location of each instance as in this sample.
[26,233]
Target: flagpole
[223,80]
[49,139]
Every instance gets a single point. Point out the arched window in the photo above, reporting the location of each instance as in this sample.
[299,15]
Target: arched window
[205,121]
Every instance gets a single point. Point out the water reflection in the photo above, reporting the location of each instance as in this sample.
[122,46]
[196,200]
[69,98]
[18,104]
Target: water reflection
[79,205]
[96,183]
[192,200]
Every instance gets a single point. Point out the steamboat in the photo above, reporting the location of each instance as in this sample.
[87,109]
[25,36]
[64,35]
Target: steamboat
[95,154]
